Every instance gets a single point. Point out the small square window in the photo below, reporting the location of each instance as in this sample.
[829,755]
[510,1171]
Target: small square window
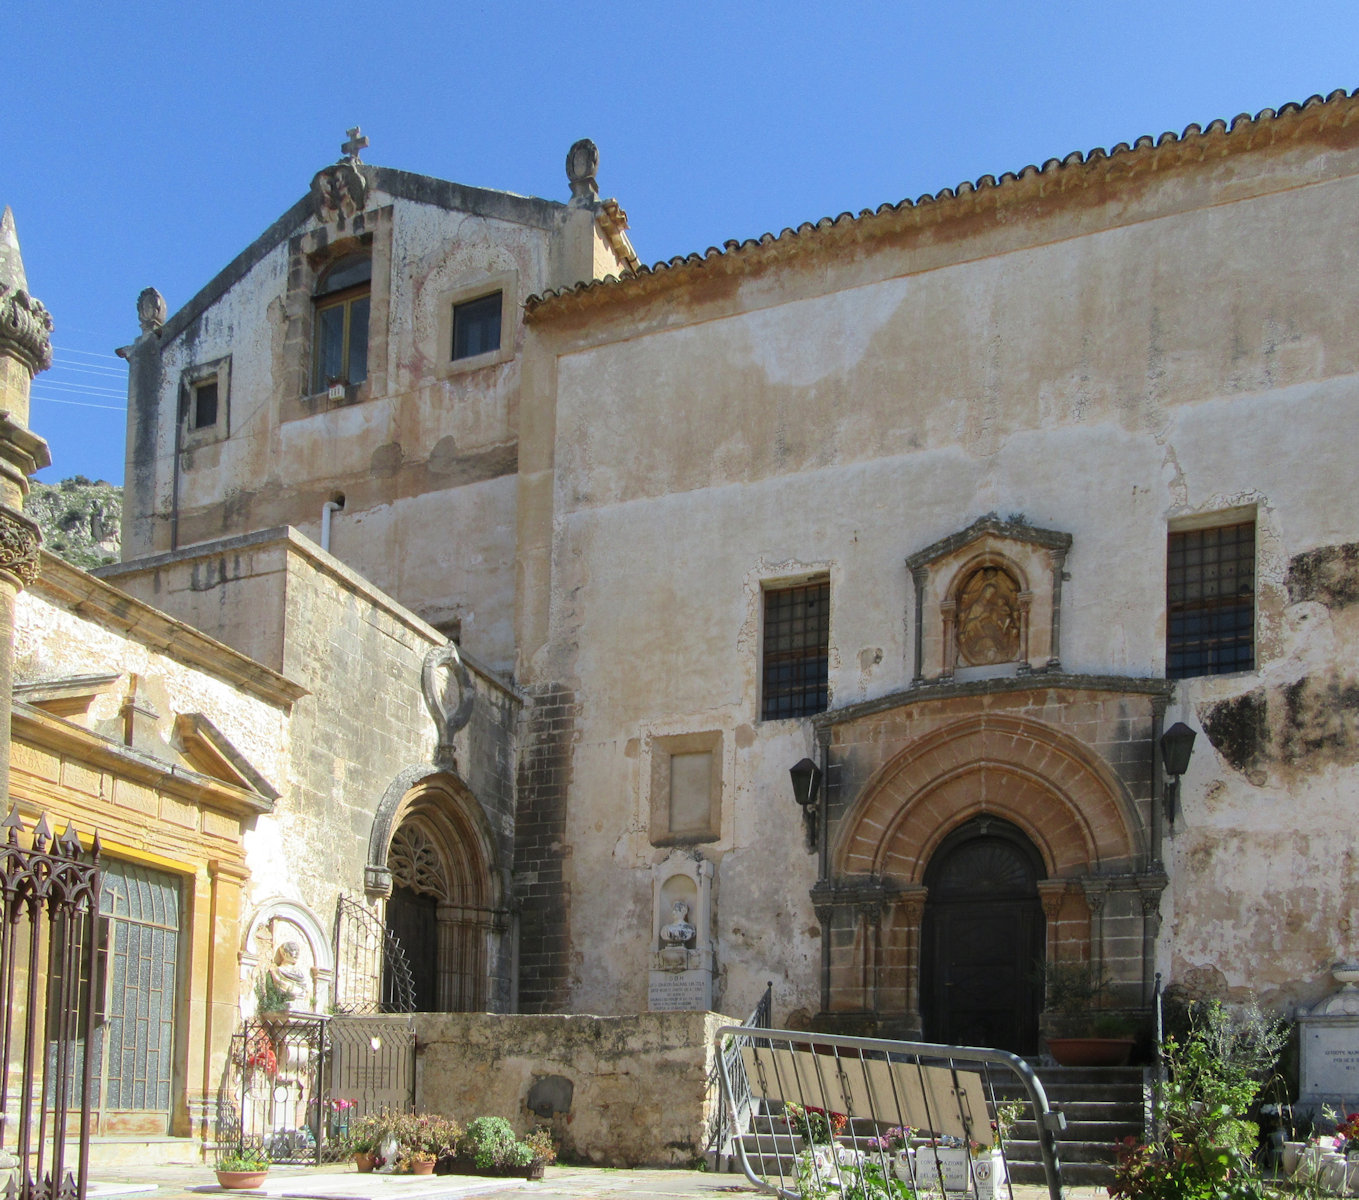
[796,672]
[476,326]
[204,414]
[1210,601]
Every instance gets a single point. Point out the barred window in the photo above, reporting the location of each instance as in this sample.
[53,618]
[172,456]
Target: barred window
[796,650]
[1210,601]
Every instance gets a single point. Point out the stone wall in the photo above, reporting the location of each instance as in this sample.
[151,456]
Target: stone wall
[637,1085]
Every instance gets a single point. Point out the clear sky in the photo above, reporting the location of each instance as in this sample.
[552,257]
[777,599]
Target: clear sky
[147,144]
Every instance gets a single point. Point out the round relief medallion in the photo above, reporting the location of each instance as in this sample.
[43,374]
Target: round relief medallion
[988,618]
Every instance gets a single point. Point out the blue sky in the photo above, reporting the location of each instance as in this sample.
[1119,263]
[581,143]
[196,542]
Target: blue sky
[147,144]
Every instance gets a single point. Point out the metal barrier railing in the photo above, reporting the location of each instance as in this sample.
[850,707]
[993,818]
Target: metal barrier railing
[868,1119]
[731,1121]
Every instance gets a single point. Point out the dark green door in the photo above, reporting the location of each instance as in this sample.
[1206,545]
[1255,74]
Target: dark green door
[982,938]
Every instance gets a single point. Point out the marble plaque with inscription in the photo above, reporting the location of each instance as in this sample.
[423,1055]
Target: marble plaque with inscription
[680,991]
[1330,1058]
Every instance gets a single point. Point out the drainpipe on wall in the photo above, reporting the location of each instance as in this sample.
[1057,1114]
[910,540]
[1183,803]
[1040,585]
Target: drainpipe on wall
[330,506]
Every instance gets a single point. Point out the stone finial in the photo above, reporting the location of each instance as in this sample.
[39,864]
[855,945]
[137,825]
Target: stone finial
[582,164]
[25,325]
[11,262]
[355,143]
[449,699]
[150,310]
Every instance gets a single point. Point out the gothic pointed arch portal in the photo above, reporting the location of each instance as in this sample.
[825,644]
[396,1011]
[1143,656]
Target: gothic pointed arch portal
[443,905]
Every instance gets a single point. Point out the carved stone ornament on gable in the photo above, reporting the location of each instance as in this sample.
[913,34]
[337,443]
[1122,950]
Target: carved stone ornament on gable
[449,697]
[338,192]
[150,310]
[988,600]
[582,165]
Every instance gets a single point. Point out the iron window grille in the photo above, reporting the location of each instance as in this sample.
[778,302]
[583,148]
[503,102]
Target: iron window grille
[1210,601]
[796,650]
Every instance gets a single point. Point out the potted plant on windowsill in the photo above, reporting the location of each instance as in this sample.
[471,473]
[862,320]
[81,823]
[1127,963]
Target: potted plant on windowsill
[244,1167]
[1083,1034]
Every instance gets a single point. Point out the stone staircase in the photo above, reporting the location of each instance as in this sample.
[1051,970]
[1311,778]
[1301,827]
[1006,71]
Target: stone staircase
[1102,1106]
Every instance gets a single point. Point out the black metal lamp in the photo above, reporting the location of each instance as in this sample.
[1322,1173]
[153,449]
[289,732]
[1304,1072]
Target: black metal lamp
[1177,744]
[806,790]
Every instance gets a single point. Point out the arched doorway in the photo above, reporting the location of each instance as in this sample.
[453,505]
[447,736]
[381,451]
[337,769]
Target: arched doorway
[442,904]
[982,938]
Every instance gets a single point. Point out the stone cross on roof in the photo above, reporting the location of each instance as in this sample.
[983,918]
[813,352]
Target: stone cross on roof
[355,143]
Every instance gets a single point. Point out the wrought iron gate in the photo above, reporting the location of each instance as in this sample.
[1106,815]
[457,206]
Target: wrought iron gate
[295,1083]
[48,957]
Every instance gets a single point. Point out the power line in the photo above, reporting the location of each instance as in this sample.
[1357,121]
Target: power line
[81,386]
[86,368]
[79,403]
[89,353]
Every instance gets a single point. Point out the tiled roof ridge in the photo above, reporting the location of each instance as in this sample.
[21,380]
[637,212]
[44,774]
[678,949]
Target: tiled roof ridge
[985,184]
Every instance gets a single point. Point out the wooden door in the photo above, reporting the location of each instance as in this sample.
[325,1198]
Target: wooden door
[982,940]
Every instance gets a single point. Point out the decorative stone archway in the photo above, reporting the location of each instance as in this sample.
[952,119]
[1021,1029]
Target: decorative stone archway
[432,857]
[1051,787]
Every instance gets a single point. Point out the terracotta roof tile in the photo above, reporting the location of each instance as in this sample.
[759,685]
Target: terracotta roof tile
[1191,134]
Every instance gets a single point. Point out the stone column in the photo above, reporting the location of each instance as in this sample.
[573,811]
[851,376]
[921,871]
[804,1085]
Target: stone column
[25,349]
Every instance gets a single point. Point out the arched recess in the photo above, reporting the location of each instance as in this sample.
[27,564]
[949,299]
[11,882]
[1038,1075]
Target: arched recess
[432,854]
[1050,786]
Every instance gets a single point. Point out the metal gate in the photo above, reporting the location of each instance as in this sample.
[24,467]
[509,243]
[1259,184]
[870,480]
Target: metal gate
[295,1083]
[862,1118]
[50,895]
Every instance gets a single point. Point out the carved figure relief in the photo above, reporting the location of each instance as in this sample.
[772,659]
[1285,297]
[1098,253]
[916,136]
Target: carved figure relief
[988,618]
[338,192]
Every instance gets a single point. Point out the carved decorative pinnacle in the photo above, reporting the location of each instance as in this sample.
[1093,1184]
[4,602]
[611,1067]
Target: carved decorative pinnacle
[582,164]
[25,325]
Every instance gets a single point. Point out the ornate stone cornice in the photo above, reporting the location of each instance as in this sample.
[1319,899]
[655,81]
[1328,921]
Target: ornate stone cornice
[25,329]
[20,540]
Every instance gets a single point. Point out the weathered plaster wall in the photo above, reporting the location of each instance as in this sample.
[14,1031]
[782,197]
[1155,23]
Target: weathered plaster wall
[638,1084]
[423,453]
[1101,364]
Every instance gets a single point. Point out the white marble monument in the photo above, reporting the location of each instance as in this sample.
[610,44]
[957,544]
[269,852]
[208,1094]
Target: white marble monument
[681,976]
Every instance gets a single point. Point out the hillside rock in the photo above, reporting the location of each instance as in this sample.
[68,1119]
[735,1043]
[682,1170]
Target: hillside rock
[81,520]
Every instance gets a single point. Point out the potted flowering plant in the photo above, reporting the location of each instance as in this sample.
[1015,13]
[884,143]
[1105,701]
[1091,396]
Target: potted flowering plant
[242,1167]
[818,1126]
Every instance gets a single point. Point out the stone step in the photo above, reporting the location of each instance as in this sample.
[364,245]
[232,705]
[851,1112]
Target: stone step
[1074,1174]
[1114,1130]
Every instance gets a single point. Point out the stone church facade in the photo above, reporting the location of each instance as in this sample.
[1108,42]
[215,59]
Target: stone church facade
[955,506]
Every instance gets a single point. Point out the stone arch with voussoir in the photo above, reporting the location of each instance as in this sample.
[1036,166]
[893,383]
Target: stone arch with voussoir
[445,862]
[1056,791]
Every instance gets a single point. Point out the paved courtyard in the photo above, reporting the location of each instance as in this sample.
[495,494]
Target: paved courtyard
[562,1183]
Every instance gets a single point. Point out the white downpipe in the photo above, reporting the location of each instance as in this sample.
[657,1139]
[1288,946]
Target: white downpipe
[330,506]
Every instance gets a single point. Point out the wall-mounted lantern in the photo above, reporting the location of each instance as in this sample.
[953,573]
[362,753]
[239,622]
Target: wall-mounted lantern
[806,790]
[1177,744]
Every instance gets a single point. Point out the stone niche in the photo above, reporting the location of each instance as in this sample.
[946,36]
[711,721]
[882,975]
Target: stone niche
[681,975]
[988,601]
[285,940]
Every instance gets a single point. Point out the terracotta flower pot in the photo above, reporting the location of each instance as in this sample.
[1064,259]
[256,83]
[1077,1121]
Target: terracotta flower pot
[1091,1051]
[241,1180]
[364,1161]
[422,1166]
